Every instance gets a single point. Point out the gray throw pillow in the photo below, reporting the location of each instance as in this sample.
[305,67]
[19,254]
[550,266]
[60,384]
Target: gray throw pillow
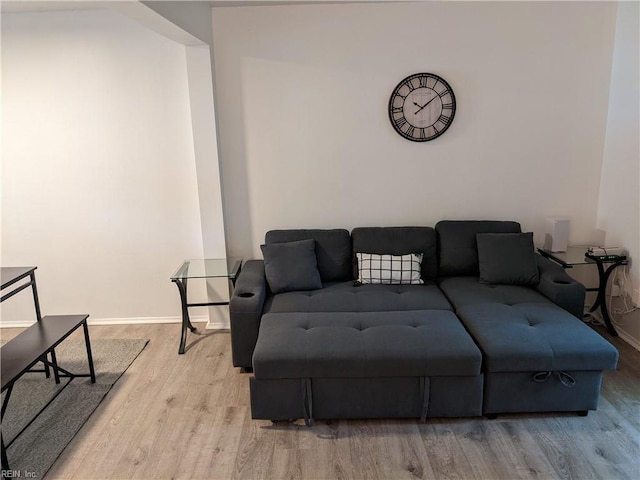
[507,259]
[291,266]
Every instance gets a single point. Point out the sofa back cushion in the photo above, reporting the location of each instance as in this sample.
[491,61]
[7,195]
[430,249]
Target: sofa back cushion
[333,250]
[457,247]
[398,241]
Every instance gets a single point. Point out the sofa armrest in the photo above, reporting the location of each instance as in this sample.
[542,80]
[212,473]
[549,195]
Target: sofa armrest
[559,287]
[245,311]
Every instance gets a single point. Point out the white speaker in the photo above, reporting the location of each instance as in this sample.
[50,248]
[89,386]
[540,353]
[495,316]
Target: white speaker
[557,236]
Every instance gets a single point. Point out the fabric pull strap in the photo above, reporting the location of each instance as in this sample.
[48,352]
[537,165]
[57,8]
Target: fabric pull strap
[424,390]
[541,377]
[563,377]
[307,402]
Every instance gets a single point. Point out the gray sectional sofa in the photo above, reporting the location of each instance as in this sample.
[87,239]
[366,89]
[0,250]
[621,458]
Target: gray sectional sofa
[479,325]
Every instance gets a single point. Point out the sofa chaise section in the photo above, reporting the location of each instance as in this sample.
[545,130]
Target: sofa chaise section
[538,357]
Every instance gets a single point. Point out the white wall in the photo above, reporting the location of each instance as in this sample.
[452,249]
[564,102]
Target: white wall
[305,138]
[98,176]
[619,200]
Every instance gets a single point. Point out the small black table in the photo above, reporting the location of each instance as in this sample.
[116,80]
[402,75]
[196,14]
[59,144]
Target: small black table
[202,268]
[577,255]
[34,345]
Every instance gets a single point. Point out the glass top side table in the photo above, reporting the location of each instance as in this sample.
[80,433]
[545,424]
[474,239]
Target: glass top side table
[578,255]
[202,268]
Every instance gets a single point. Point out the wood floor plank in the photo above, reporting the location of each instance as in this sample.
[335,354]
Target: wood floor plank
[402,451]
[326,452]
[446,456]
[188,417]
[515,446]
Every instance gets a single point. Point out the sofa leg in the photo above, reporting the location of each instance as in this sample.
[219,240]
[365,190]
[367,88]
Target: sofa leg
[284,421]
[246,369]
[583,413]
[491,416]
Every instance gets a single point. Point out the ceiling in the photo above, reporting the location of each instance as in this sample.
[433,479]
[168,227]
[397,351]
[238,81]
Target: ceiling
[14,6]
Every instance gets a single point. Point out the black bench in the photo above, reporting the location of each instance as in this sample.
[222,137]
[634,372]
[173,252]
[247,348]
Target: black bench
[33,345]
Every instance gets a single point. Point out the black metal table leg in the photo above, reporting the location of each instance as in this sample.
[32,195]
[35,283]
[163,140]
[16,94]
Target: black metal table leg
[601,299]
[36,303]
[87,342]
[5,460]
[34,289]
[54,362]
[186,321]
[6,400]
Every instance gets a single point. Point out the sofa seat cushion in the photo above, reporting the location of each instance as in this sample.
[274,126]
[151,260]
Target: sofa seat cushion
[462,291]
[535,337]
[358,344]
[345,297]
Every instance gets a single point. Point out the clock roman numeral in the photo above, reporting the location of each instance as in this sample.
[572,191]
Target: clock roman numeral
[443,93]
[423,82]
[401,122]
[444,119]
[448,106]
[423,134]
[395,110]
[410,130]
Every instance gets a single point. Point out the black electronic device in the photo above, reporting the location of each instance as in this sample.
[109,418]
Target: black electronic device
[606,254]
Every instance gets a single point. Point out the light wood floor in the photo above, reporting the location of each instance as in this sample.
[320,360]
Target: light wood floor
[188,416]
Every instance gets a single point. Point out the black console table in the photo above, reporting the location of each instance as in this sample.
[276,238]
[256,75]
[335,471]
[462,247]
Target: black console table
[577,255]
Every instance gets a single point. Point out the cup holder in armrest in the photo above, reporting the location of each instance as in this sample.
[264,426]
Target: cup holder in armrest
[562,282]
[246,295]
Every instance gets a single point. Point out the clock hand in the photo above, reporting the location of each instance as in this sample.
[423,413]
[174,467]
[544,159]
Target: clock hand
[420,107]
[418,111]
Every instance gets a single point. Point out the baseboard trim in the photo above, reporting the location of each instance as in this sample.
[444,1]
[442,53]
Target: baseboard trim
[217,326]
[628,338]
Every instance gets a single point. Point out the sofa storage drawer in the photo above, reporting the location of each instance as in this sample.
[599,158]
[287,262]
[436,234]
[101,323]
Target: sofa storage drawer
[396,397]
[519,392]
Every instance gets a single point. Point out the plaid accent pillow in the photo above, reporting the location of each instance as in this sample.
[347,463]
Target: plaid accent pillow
[389,269]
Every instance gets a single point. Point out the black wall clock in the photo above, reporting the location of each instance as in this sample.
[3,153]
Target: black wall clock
[422,107]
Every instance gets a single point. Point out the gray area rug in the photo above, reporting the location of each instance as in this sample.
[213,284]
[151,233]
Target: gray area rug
[35,450]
